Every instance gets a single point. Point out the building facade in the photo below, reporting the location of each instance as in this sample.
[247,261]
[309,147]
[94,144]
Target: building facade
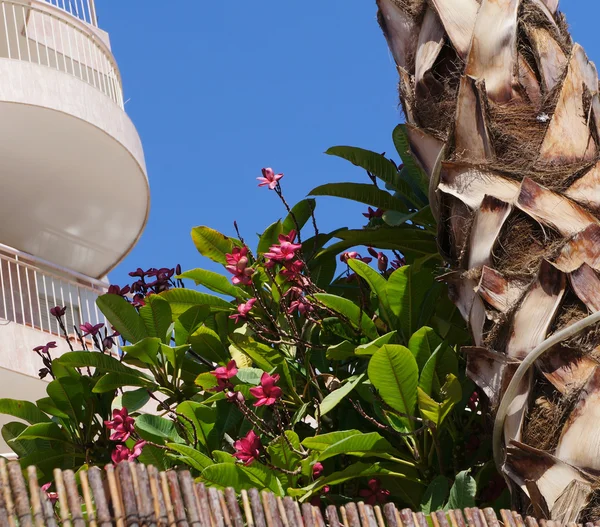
[74,195]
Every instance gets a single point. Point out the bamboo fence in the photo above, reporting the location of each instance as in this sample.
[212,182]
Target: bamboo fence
[132,494]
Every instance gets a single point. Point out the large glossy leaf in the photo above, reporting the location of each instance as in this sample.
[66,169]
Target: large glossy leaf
[368,194]
[101,361]
[351,311]
[302,211]
[68,396]
[450,393]
[46,405]
[362,445]
[410,241]
[239,477]
[462,493]
[402,145]
[378,285]
[407,290]
[123,317]
[157,429]
[187,323]
[145,351]
[435,495]
[215,282]
[206,343]
[200,422]
[44,431]
[263,356]
[23,410]
[323,269]
[371,347]
[193,457]
[336,397]
[394,373]
[373,162]
[113,381]
[423,343]
[10,432]
[183,299]
[211,243]
[323,441]
[157,457]
[341,351]
[133,400]
[157,316]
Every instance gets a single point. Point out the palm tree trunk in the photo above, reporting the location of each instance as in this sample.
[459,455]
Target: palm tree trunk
[503,113]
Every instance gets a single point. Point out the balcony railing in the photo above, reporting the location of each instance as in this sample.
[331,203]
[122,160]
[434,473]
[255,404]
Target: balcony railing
[30,288]
[83,9]
[49,37]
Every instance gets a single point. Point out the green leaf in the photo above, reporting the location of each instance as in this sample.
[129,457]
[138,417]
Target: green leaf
[407,290]
[123,317]
[47,406]
[206,381]
[194,458]
[156,457]
[101,361]
[269,237]
[402,144]
[145,351]
[451,394]
[183,299]
[336,397]
[422,344]
[371,347]
[361,445]
[133,400]
[462,493]
[157,315]
[323,441]
[378,285]
[10,432]
[351,311]
[206,343]
[215,282]
[341,351]
[323,269]
[225,475]
[435,495]
[23,410]
[249,375]
[409,240]
[67,394]
[263,356]
[302,211]
[187,323]
[394,373]
[212,244]
[157,429]
[365,193]
[395,218]
[45,431]
[113,381]
[200,423]
[375,163]
[281,454]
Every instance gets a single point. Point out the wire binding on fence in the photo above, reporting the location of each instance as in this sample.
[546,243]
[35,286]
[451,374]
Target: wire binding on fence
[132,494]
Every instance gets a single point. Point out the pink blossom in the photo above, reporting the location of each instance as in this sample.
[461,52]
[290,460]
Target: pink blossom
[46,348]
[52,496]
[285,250]
[237,265]
[138,300]
[398,262]
[374,494]
[122,424]
[267,393]
[248,448]
[122,453]
[269,178]
[370,214]
[223,374]
[317,470]
[301,305]
[58,311]
[88,329]
[382,259]
[292,271]
[243,310]
[353,255]
[235,397]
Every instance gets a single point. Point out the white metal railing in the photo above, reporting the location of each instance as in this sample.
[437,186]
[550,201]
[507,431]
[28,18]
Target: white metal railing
[49,37]
[83,9]
[29,290]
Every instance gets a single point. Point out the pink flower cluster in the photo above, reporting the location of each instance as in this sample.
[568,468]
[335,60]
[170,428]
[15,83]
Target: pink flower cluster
[237,265]
[248,448]
[122,426]
[298,301]
[284,253]
[243,310]
[267,393]
[353,255]
[374,494]
[223,374]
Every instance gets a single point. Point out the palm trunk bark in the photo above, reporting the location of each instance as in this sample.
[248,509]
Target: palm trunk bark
[503,113]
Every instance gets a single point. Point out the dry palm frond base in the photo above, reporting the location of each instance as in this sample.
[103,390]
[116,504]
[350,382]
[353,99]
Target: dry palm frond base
[499,87]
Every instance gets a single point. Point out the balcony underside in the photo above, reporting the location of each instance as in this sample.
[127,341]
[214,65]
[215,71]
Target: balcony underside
[73,181]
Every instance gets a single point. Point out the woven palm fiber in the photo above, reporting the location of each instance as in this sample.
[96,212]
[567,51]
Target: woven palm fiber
[132,494]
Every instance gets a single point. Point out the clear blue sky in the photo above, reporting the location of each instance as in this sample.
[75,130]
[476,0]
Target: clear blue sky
[218,90]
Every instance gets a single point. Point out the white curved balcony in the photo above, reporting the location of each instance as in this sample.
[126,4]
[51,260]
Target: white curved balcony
[72,170]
